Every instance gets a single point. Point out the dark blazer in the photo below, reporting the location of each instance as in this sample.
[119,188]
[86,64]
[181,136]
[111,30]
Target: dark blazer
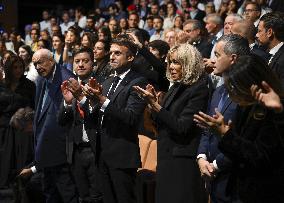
[260,52]
[256,149]
[200,15]
[209,146]
[49,135]
[119,127]
[204,47]
[71,119]
[178,139]
[276,65]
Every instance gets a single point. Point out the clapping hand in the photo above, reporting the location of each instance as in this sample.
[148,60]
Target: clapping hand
[67,95]
[93,91]
[150,95]
[75,88]
[267,97]
[216,122]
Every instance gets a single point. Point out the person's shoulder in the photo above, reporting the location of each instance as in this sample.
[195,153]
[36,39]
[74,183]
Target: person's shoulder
[66,74]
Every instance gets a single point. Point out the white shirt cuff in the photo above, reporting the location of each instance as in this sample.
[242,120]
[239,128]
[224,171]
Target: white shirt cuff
[33,168]
[105,104]
[82,102]
[67,105]
[215,165]
[203,156]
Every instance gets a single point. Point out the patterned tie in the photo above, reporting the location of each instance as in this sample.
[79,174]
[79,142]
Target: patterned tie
[113,86]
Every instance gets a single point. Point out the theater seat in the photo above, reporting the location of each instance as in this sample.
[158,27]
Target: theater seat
[144,144]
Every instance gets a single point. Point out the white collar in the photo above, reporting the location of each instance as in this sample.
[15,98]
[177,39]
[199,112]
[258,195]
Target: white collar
[122,76]
[251,45]
[219,34]
[275,49]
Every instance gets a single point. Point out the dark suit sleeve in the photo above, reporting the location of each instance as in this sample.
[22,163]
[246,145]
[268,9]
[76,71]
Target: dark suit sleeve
[131,113]
[203,144]
[253,154]
[181,124]
[65,115]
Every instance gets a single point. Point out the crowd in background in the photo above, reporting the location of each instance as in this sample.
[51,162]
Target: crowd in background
[204,79]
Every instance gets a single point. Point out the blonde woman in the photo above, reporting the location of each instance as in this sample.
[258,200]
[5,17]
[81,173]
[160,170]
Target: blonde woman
[178,178]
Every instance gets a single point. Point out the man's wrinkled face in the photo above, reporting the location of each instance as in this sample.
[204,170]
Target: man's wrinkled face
[193,33]
[43,65]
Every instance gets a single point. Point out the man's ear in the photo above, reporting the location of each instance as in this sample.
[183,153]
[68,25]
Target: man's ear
[233,58]
[269,32]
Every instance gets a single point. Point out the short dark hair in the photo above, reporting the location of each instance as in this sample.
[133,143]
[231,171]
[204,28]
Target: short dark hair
[235,44]
[247,71]
[106,44]
[161,46]
[85,50]
[275,21]
[124,41]
[256,5]
[158,17]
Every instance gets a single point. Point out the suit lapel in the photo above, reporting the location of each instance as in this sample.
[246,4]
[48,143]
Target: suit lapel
[169,98]
[276,56]
[226,105]
[106,86]
[122,84]
[54,86]
[39,98]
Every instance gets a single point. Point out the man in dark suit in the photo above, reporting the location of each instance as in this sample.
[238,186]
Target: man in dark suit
[50,154]
[81,140]
[121,112]
[271,34]
[214,166]
[195,30]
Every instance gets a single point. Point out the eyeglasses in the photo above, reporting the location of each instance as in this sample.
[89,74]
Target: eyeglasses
[249,10]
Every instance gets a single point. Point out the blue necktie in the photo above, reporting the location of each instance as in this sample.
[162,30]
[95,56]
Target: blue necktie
[223,99]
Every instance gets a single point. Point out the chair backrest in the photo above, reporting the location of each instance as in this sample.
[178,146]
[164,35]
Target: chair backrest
[144,144]
[151,160]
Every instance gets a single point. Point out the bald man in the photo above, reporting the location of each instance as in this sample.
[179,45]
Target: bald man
[50,147]
[247,30]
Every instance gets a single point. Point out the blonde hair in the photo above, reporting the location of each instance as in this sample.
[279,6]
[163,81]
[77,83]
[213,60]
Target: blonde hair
[191,61]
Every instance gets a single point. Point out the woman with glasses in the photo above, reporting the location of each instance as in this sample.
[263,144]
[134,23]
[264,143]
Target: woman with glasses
[254,143]
[178,178]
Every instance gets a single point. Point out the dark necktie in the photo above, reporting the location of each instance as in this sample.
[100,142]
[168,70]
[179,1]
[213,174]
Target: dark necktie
[113,86]
[45,94]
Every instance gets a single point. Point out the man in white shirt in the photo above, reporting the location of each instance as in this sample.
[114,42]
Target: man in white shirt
[66,22]
[81,19]
[45,24]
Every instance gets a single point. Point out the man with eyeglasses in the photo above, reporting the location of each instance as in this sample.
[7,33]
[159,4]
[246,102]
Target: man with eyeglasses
[252,13]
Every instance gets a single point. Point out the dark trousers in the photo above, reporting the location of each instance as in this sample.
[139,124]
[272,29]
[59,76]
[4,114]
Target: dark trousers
[86,175]
[58,185]
[118,184]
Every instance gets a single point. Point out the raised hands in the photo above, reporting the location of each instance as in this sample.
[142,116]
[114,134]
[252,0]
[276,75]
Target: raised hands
[67,95]
[150,95]
[267,97]
[216,122]
[93,91]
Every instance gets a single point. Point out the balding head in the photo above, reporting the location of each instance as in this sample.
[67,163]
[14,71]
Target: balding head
[246,29]
[44,62]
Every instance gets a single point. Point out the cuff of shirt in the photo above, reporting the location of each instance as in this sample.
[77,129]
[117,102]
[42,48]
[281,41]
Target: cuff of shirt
[215,165]
[33,168]
[203,156]
[83,101]
[67,105]
[105,104]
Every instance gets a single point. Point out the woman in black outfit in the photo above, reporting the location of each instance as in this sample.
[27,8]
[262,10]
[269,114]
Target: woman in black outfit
[254,143]
[15,92]
[178,177]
